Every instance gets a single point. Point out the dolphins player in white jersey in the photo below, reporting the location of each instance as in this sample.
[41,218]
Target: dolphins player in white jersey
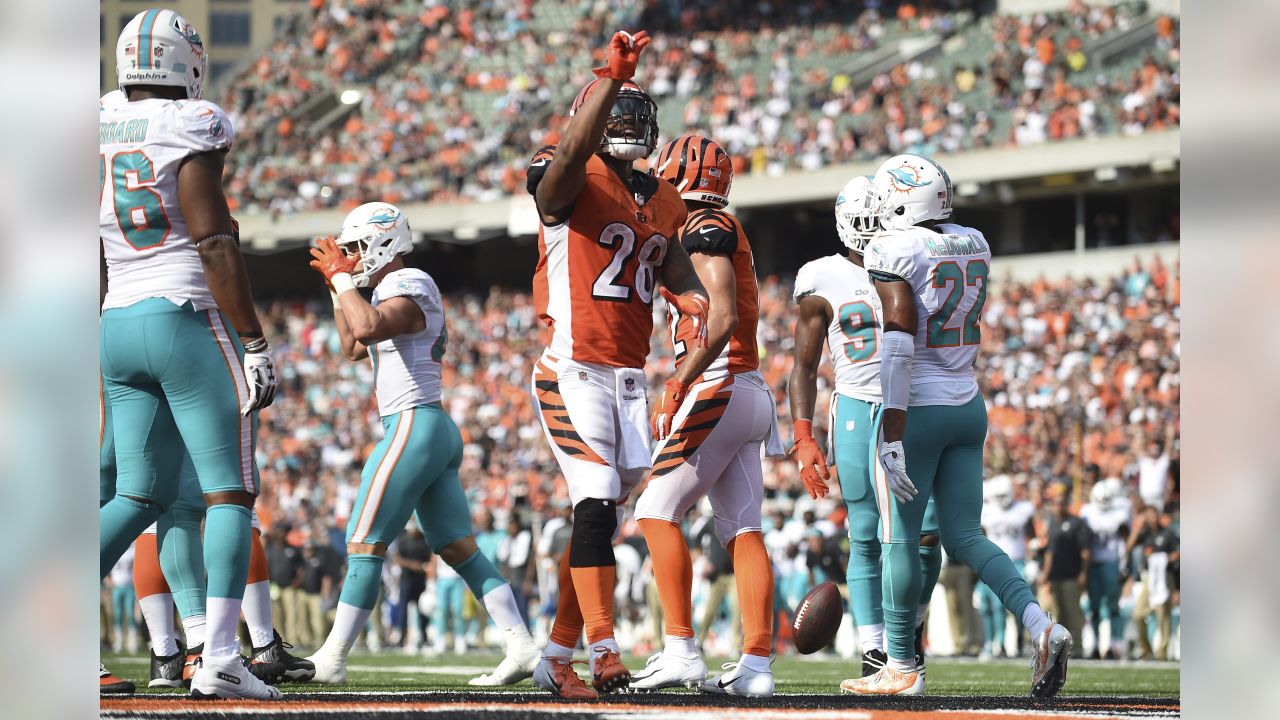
[838,303]
[415,467]
[932,284]
[1007,523]
[184,361]
[1109,515]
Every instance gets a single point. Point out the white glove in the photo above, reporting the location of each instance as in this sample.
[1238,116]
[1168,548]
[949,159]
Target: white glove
[260,374]
[894,459]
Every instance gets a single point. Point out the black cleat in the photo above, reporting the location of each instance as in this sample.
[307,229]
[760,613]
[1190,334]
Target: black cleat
[292,668]
[920,648]
[166,671]
[872,662]
[109,684]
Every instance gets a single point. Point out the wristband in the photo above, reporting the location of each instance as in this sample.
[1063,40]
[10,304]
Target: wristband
[802,429]
[333,294]
[255,345]
[342,282]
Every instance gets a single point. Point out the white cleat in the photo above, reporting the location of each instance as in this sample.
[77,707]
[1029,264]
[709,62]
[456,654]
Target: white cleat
[331,666]
[664,670]
[1049,655]
[521,660]
[741,681]
[886,682]
[226,678]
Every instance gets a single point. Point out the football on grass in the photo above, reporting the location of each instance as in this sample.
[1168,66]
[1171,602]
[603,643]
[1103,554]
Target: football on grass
[817,618]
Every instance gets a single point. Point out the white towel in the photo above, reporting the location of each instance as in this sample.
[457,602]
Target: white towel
[634,445]
[773,441]
[1157,579]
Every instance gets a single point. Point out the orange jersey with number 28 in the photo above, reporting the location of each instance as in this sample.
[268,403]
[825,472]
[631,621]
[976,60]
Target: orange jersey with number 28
[598,270]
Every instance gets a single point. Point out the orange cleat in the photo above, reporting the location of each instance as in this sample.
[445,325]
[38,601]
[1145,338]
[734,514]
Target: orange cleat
[608,673]
[558,676]
[110,684]
[192,664]
[886,682]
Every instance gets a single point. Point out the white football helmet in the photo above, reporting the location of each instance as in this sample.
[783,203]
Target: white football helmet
[857,213]
[912,189]
[159,47]
[379,232]
[1107,493]
[998,490]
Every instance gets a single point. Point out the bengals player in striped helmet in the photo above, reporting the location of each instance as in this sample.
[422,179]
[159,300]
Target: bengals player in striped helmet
[603,246]
[714,418]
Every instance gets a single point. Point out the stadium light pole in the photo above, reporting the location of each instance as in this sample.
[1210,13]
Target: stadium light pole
[1080,223]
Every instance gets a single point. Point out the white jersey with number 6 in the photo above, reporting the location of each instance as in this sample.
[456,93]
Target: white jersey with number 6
[406,368]
[853,337]
[142,145]
[947,271]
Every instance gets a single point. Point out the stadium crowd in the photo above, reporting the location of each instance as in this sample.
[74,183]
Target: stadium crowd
[451,96]
[1081,379]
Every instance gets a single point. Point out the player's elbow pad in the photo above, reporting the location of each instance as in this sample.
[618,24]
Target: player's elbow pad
[895,368]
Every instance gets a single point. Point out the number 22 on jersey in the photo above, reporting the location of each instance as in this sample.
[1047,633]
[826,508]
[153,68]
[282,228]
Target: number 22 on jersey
[943,332]
[138,208]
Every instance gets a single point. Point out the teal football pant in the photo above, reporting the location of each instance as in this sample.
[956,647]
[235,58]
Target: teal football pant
[415,467]
[944,459]
[174,379]
[855,427]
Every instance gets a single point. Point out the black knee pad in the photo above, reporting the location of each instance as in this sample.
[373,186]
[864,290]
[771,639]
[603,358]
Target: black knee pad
[594,522]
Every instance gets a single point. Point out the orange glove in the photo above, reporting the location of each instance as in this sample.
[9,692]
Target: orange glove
[672,395]
[330,260]
[813,464]
[693,305]
[622,54]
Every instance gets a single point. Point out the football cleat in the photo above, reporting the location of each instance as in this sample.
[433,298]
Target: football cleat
[329,666]
[607,671]
[886,682]
[109,684]
[740,680]
[665,670]
[920,650]
[872,661]
[166,671]
[558,676]
[521,660]
[223,678]
[191,664]
[1049,655]
[293,668]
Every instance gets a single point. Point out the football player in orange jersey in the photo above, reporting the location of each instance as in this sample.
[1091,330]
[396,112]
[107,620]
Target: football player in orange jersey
[603,245]
[714,418]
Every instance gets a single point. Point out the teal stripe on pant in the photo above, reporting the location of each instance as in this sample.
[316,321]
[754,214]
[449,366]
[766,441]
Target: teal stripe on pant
[943,445]
[853,437]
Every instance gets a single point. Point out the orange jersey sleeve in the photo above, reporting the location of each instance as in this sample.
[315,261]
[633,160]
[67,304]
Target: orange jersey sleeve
[597,271]
[710,230]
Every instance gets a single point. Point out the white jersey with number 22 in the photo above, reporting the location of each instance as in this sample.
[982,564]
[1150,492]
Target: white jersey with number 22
[947,271]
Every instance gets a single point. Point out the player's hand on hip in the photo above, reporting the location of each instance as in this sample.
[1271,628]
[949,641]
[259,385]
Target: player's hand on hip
[894,459]
[672,396]
[622,55]
[813,463]
[260,374]
[330,260]
[693,305]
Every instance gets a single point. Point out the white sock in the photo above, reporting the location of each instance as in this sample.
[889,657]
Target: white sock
[157,613]
[871,637]
[598,649]
[223,617]
[755,663]
[556,650]
[348,621]
[921,612]
[500,602]
[903,665]
[193,630]
[257,613]
[685,647]
[1035,620]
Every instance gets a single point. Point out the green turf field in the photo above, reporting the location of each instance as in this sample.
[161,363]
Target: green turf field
[394,671]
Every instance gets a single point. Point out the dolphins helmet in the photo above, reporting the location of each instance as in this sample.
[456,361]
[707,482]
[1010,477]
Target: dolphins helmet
[159,47]
[913,189]
[999,490]
[857,213]
[379,232]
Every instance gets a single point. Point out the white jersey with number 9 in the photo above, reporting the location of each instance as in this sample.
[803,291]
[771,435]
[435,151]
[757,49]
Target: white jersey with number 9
[947,271]
[853,337]
[148,249]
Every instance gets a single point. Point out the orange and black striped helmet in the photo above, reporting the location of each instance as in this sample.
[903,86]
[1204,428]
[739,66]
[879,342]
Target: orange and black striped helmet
[698,168]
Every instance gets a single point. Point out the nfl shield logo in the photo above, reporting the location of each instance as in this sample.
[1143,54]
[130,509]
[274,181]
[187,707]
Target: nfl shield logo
[582,376]
[631,384]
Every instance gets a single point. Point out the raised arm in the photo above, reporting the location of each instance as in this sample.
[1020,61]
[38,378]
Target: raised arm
[567,171]
[815,316]
[360,324]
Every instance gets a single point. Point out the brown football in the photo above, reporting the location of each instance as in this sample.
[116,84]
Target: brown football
[817,618]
